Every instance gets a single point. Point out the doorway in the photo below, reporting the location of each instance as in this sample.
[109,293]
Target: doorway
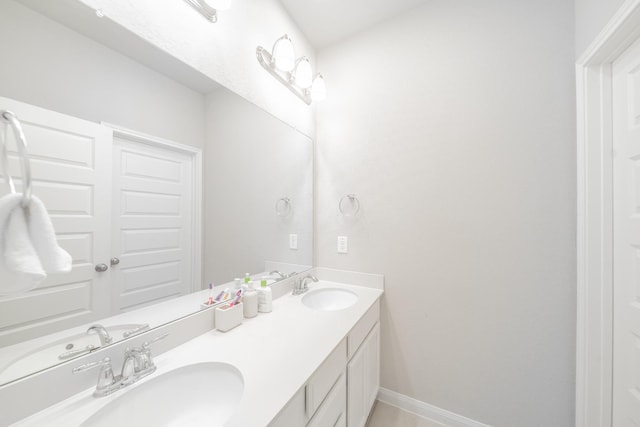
[595,373]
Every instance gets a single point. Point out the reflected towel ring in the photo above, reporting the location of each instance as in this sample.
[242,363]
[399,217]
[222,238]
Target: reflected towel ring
[354,202]
[283,206]
[21,142]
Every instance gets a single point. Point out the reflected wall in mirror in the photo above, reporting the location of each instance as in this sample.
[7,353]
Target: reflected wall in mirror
[62,79]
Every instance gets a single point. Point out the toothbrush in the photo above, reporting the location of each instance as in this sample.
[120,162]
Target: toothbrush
[210,302]
[237,298]
[221,294]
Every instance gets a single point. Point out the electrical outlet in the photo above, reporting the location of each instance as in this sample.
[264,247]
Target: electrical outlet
[293,241]
[343,244]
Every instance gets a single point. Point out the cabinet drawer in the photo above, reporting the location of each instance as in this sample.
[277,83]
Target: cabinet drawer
[362,328]
[334,407]
[324,378]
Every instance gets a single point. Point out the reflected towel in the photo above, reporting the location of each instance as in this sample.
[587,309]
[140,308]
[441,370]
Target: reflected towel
[28,249]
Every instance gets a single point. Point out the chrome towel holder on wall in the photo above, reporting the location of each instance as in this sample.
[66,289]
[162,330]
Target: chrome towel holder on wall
[21,142]
[283,206]
[350,209]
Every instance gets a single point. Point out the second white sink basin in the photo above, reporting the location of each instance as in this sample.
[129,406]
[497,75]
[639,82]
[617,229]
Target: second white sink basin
[202,394]
[330,299]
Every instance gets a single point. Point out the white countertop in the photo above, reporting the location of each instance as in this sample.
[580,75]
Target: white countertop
[276,352]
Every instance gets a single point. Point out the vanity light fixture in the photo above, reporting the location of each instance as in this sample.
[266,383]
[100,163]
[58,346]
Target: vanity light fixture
[295,74]
[209,8]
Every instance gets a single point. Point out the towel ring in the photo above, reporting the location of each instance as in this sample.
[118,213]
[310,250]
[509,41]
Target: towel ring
[283,206]
[354,202]
[21,141]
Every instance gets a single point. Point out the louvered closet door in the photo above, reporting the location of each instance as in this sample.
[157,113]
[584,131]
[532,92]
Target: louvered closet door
[70,160]
[626,334]
[153,205]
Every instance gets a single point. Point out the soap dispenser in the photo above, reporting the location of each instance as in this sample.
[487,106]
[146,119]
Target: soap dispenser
[265,298]
[250,301]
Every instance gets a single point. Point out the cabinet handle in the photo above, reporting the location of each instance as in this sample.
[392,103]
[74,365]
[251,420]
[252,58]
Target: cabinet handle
[101,268]
[114,261]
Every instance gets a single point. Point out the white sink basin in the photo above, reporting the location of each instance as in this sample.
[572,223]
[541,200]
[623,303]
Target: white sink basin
[330,299]
[203,394]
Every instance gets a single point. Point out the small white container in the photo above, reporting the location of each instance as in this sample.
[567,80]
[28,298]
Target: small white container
[228,317]
[250,302]
[265,297]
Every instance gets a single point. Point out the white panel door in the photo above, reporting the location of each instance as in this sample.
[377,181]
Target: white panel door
[71,165]
[626,334]
[153,199]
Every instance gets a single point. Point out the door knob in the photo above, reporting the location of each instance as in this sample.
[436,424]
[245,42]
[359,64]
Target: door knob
[101,268]
[114,261]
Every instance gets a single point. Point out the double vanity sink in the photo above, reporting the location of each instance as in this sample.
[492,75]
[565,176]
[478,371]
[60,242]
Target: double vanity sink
[243,377]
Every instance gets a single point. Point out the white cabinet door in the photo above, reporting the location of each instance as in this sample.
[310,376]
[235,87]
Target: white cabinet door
[70,161]
[153,223]
[372,368]
[363,379]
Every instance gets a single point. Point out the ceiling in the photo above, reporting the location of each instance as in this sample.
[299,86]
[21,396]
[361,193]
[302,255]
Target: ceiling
[325,22]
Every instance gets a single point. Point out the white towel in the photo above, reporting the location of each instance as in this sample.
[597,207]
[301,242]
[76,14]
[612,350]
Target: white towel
[28,249]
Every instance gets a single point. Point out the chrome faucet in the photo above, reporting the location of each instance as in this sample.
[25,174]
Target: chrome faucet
[107,382]
[279,273]
[138,362]
[104,336]
[304,286]
[301,286]
[137,365]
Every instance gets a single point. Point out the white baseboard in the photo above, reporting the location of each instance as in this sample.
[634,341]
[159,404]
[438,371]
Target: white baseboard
[426,410]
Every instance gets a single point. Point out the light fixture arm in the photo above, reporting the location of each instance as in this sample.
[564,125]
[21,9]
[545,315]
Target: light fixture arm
[207,11]
[266,60]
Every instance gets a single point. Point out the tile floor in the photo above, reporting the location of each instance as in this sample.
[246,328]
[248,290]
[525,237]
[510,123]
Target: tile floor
[384,415]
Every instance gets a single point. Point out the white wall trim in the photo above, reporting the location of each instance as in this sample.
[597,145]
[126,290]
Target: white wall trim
[196,154]
[594,335]
[426,410]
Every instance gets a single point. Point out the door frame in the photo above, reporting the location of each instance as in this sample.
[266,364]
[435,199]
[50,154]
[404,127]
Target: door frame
[196,155]
[594,333]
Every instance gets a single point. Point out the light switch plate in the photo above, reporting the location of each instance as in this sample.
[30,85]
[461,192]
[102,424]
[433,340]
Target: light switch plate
[293,241]
[343,244]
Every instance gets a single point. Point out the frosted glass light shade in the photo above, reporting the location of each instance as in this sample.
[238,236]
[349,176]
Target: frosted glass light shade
[303,74]
[318,89]
[283,54]
[219,4]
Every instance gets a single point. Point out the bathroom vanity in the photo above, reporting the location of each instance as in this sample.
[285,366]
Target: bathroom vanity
[298,366]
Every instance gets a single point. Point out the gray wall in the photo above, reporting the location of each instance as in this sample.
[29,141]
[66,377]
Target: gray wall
[455,126]
[252,160]
[591,17]
[48,65]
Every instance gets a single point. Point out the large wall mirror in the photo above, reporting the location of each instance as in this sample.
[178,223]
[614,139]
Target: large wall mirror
[147,162]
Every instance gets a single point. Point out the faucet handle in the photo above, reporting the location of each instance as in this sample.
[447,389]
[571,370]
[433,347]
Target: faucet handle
[102,362]
[147,344]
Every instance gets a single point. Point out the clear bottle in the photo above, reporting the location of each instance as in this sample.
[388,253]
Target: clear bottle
[265,297]
[250,302]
